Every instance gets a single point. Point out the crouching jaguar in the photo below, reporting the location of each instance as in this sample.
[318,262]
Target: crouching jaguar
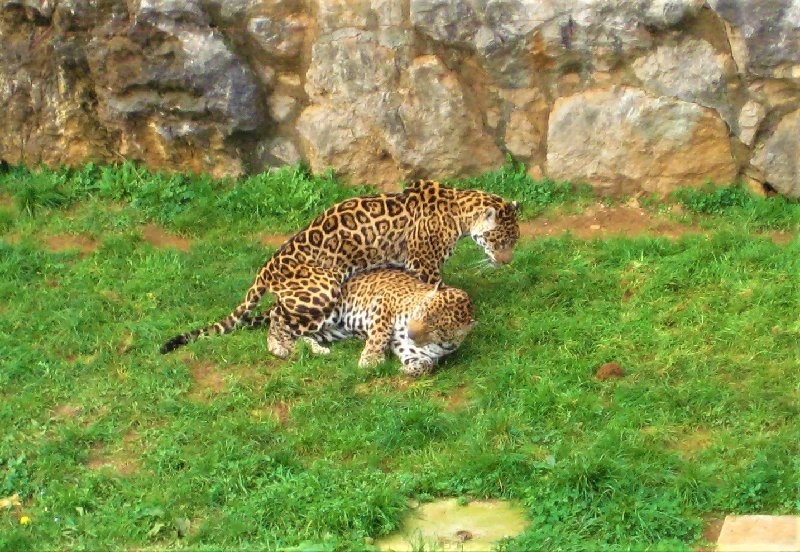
[416,229]
[390,309]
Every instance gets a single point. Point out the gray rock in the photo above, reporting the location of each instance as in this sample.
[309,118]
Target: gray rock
[232,11]
[169,14]
[351,64]
[691,70]
[336,137]
[452,22]
[282,108]
[764,35]
[192,75]
[278,151]
[279,37]
[42,8]
[750,118]
[437,133]
[777,157]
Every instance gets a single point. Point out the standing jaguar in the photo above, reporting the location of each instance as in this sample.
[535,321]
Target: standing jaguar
[416,229]
[391,309]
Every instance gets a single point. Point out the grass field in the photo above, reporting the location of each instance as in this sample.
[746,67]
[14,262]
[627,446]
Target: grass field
[111,445]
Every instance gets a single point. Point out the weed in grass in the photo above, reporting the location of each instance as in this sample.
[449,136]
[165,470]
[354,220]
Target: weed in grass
[40,191]
[713,200]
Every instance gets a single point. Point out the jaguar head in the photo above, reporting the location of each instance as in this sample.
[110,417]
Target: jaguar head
[496,230]
[444,317]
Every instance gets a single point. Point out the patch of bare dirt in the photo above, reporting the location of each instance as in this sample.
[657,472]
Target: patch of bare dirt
[274,240]
[600,221]
[609,370]
[781,238]
[67,410]
[207,381]
[67,242]
[6,201]
[125,343]
[711,531]
[457,400]
[280,412]
[628,220]
[123,459]
[158,237]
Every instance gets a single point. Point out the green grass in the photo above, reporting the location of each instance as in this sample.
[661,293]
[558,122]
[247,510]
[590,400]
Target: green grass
[512,182]
[705,421]
[281,200]
[741,207]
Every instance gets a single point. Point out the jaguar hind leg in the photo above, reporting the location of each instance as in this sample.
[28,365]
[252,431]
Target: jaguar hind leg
[304,305]
[380,335]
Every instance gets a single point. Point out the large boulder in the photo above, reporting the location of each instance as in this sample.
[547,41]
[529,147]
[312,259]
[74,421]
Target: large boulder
[352,84]
[169,84]
[778,157]
[621,140]
[506,34]
[380,116]
[691,70]
[438,135]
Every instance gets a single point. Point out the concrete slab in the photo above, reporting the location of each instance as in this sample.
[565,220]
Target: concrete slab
[760,534]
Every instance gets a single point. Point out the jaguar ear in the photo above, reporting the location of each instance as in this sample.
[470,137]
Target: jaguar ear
[489,214]
[515,205]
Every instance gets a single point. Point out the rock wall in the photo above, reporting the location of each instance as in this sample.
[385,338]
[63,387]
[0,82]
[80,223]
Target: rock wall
[628,95]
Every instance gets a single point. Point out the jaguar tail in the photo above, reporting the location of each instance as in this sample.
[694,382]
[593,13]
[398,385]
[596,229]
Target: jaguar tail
[241,316]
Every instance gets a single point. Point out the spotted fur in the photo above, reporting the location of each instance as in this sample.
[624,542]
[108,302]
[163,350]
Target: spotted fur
[416,229]
[390,309]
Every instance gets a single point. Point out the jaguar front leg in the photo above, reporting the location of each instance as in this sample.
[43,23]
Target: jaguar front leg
[316,347]
[417,367]
[378,339]
[280,341]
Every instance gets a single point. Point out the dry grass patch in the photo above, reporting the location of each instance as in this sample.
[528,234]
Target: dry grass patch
[457,399]
[273,240]
[693,442]
[207,381]
[121,459]
[67,411]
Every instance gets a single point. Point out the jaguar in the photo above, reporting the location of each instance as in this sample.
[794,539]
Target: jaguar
[391,309]
[416,229]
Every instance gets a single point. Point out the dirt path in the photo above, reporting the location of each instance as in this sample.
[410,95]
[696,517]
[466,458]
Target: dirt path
[600,221]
